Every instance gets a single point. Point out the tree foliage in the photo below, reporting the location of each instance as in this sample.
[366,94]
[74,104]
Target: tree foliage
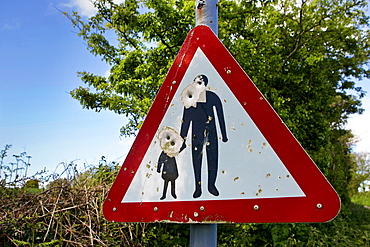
[304,56]
[301,54]
[149,35]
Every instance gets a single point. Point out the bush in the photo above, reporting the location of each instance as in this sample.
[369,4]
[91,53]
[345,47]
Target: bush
[362,198]
[32,183]
[68,213]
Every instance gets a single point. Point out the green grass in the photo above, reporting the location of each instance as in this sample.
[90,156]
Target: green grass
[362,198]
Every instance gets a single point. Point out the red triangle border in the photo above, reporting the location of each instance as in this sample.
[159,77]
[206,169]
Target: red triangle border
[321,203]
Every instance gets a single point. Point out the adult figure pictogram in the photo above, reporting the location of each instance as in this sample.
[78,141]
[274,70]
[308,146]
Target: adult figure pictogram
[199,106]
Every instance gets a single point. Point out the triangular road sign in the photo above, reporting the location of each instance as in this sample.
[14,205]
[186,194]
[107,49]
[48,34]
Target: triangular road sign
[212,149]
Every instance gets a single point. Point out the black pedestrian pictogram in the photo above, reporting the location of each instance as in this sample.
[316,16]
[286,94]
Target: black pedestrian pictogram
[199,105]
[169,173]
[170,142]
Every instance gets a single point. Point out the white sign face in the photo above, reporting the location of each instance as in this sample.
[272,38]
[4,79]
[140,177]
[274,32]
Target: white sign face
[231,162]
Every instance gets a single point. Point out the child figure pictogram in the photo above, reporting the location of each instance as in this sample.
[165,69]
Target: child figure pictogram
[170,142]
[169,173]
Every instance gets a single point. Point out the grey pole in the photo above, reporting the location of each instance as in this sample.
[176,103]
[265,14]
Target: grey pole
[206,13]
[203,235]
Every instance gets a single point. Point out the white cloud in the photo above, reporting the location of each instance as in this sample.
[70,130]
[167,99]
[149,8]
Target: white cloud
[85,7]
[107,73]
[10,24]
[118,1]
[359,124]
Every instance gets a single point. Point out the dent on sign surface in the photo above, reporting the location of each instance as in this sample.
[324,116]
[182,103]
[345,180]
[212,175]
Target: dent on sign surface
[247,165]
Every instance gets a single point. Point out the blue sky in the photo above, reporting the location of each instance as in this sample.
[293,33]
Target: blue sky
[40,57]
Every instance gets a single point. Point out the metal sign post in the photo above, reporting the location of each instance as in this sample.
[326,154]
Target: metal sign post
[206,14]
[203,235]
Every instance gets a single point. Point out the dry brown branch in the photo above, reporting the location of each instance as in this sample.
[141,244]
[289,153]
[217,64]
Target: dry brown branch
[52,215]
[70,213]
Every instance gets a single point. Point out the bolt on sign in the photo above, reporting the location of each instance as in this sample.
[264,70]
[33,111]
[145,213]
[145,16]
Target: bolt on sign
[212,149]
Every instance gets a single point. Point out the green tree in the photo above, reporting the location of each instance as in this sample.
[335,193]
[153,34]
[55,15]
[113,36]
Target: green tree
[360,172]
[59,183]
[32,183]
[304,56]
